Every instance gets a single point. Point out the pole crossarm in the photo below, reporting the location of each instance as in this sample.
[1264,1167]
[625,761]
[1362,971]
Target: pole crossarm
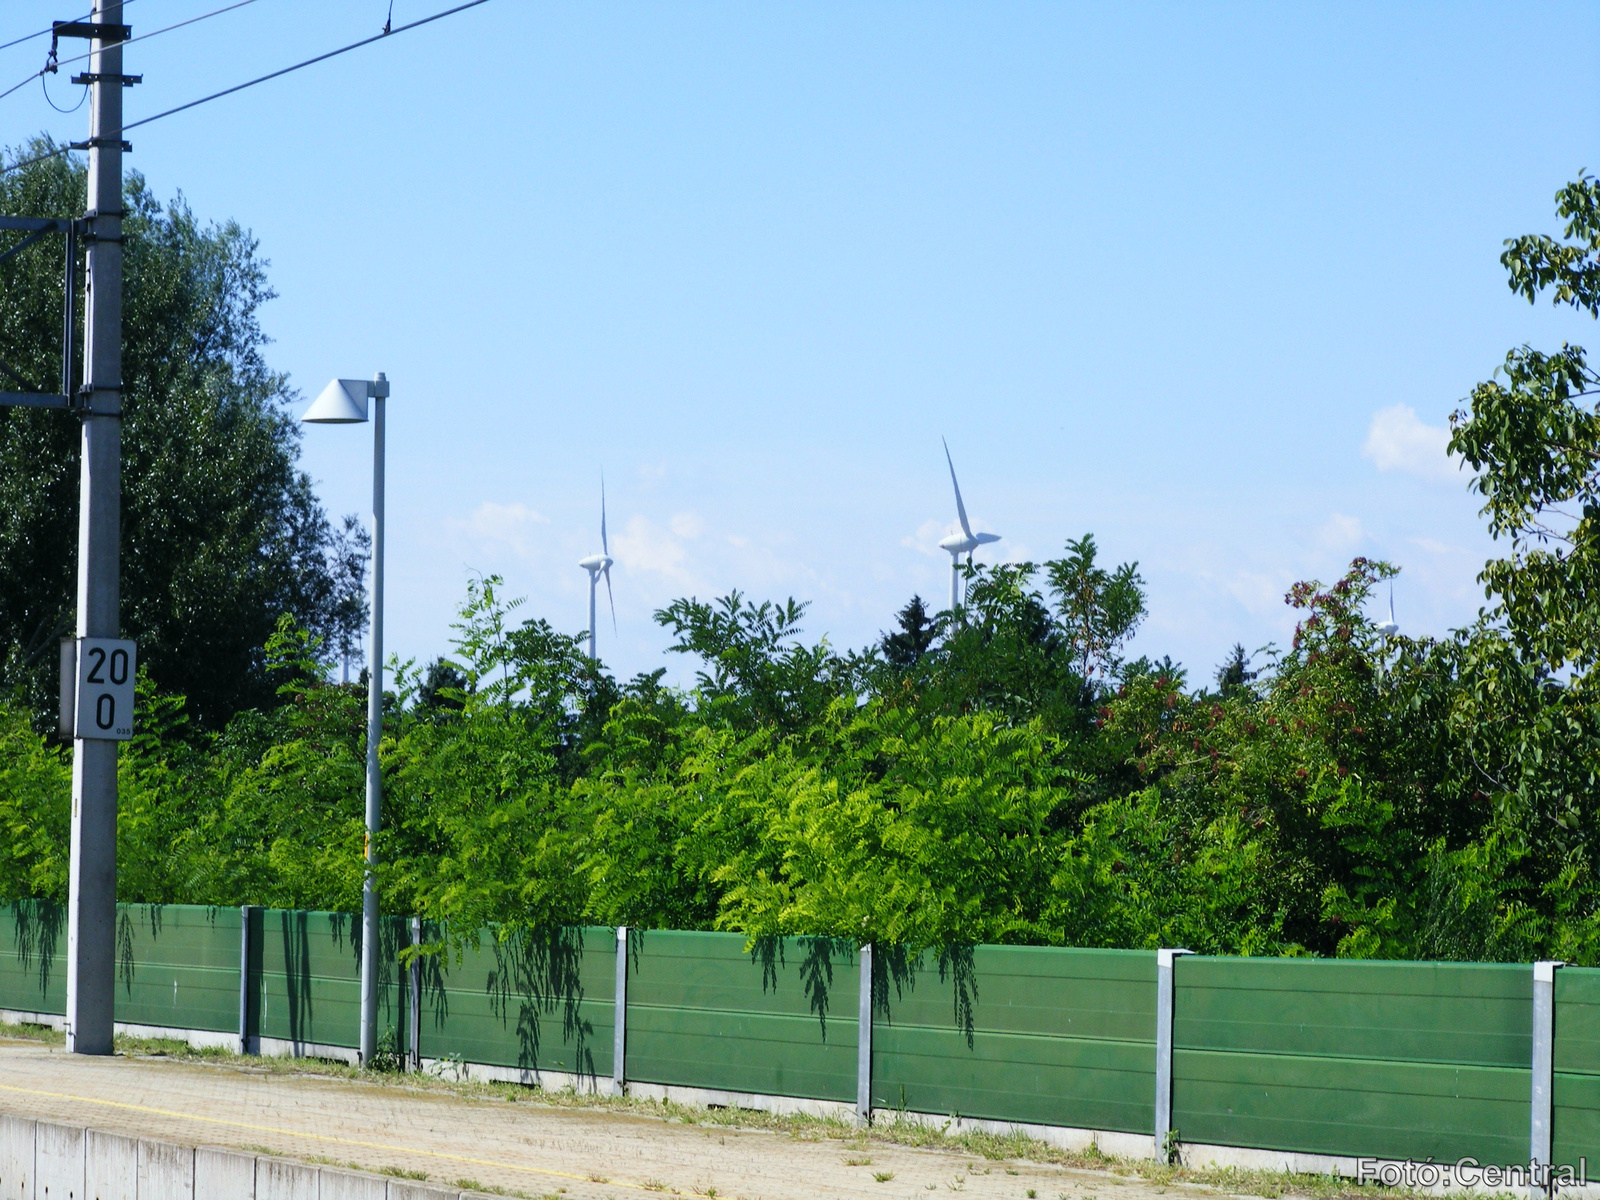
[37,228]
[38,224]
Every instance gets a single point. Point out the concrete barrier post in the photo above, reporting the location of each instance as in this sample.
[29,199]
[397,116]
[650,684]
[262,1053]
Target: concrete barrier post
[864,1039]
[415,1014]
[619,1035]
[224,1175]
[244,979]
[1164,1001]
[1544,1026]
[16,1158]
[110,1166]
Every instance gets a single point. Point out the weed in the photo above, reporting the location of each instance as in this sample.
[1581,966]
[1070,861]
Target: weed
[883,1176]
[402,1173]
[858,1162]
[387,1057]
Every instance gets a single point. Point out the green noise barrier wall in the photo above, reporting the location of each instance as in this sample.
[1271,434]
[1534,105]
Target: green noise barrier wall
[1576,1091]
[536,1002]
[1385,1059]
[1018,1033]
[33,964]
[779,1020]
[306,975]
[178,966]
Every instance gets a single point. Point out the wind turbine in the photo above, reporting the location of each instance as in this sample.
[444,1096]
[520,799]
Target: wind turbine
[1390,627]
[961,543]
[598,565]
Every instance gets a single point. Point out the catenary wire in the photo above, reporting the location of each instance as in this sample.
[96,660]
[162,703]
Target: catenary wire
[140,37]
[239,87]
[48,67]
[59,151]
[28,37]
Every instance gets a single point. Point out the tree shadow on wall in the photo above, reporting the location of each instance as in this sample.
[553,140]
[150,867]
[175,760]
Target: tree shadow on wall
[297,973]
[895,970]
[40,926]
[539,972]
[817,957]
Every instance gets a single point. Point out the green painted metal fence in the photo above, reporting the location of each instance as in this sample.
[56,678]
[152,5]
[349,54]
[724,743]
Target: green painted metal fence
[1400,1060]
[1019,1033]
[1354,1059]
[779,1020]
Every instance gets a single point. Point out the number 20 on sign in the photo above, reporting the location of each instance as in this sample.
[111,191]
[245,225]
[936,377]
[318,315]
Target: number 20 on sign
[105,689]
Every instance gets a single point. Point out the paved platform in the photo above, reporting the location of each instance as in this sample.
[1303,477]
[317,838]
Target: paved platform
[522,1147]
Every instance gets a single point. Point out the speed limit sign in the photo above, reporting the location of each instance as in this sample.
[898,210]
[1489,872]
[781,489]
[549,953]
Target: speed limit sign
[104,707]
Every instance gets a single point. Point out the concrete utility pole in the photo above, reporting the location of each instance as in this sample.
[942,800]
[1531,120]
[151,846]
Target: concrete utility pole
[92,914]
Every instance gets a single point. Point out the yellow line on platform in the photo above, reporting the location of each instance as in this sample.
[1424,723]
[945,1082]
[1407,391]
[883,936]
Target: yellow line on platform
[321,1137]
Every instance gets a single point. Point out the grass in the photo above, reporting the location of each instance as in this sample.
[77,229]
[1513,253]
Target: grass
[994,1147]
[402,1173]
[33,1033]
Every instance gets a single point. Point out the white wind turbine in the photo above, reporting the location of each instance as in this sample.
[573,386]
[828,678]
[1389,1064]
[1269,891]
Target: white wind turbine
[961,543]
[1390,627]
[598,565]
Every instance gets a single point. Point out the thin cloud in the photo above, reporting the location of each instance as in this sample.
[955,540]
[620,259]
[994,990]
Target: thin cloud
[1340,532]
[509,525]
[1398,440]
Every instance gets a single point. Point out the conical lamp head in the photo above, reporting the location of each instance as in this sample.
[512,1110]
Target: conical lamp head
[343,402]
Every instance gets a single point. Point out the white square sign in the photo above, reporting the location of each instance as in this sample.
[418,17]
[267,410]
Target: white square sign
[105,689]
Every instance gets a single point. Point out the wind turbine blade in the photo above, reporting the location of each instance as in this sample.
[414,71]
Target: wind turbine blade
[610,599]
[605,545]
[961,509]
[1391,603]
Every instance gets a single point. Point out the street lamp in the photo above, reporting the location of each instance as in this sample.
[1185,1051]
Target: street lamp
[344,402]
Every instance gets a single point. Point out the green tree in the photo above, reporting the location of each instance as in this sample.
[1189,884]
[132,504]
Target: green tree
[1099,610]
[756,671]
[1532,435]
[221,531]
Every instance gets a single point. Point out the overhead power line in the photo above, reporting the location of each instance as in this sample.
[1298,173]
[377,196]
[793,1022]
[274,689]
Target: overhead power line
[239,87]
[216,12]
[28,37]
[50,66]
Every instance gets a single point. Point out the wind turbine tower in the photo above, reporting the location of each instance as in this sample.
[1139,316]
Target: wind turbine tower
[1390,627]
[961,543]
[598,565]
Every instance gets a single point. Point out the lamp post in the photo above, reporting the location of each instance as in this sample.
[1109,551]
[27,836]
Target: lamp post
[344,402]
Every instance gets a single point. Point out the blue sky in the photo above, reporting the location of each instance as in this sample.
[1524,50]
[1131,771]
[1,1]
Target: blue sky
[1205,280]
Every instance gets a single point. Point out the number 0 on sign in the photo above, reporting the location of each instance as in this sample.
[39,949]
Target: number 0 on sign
[105,689]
